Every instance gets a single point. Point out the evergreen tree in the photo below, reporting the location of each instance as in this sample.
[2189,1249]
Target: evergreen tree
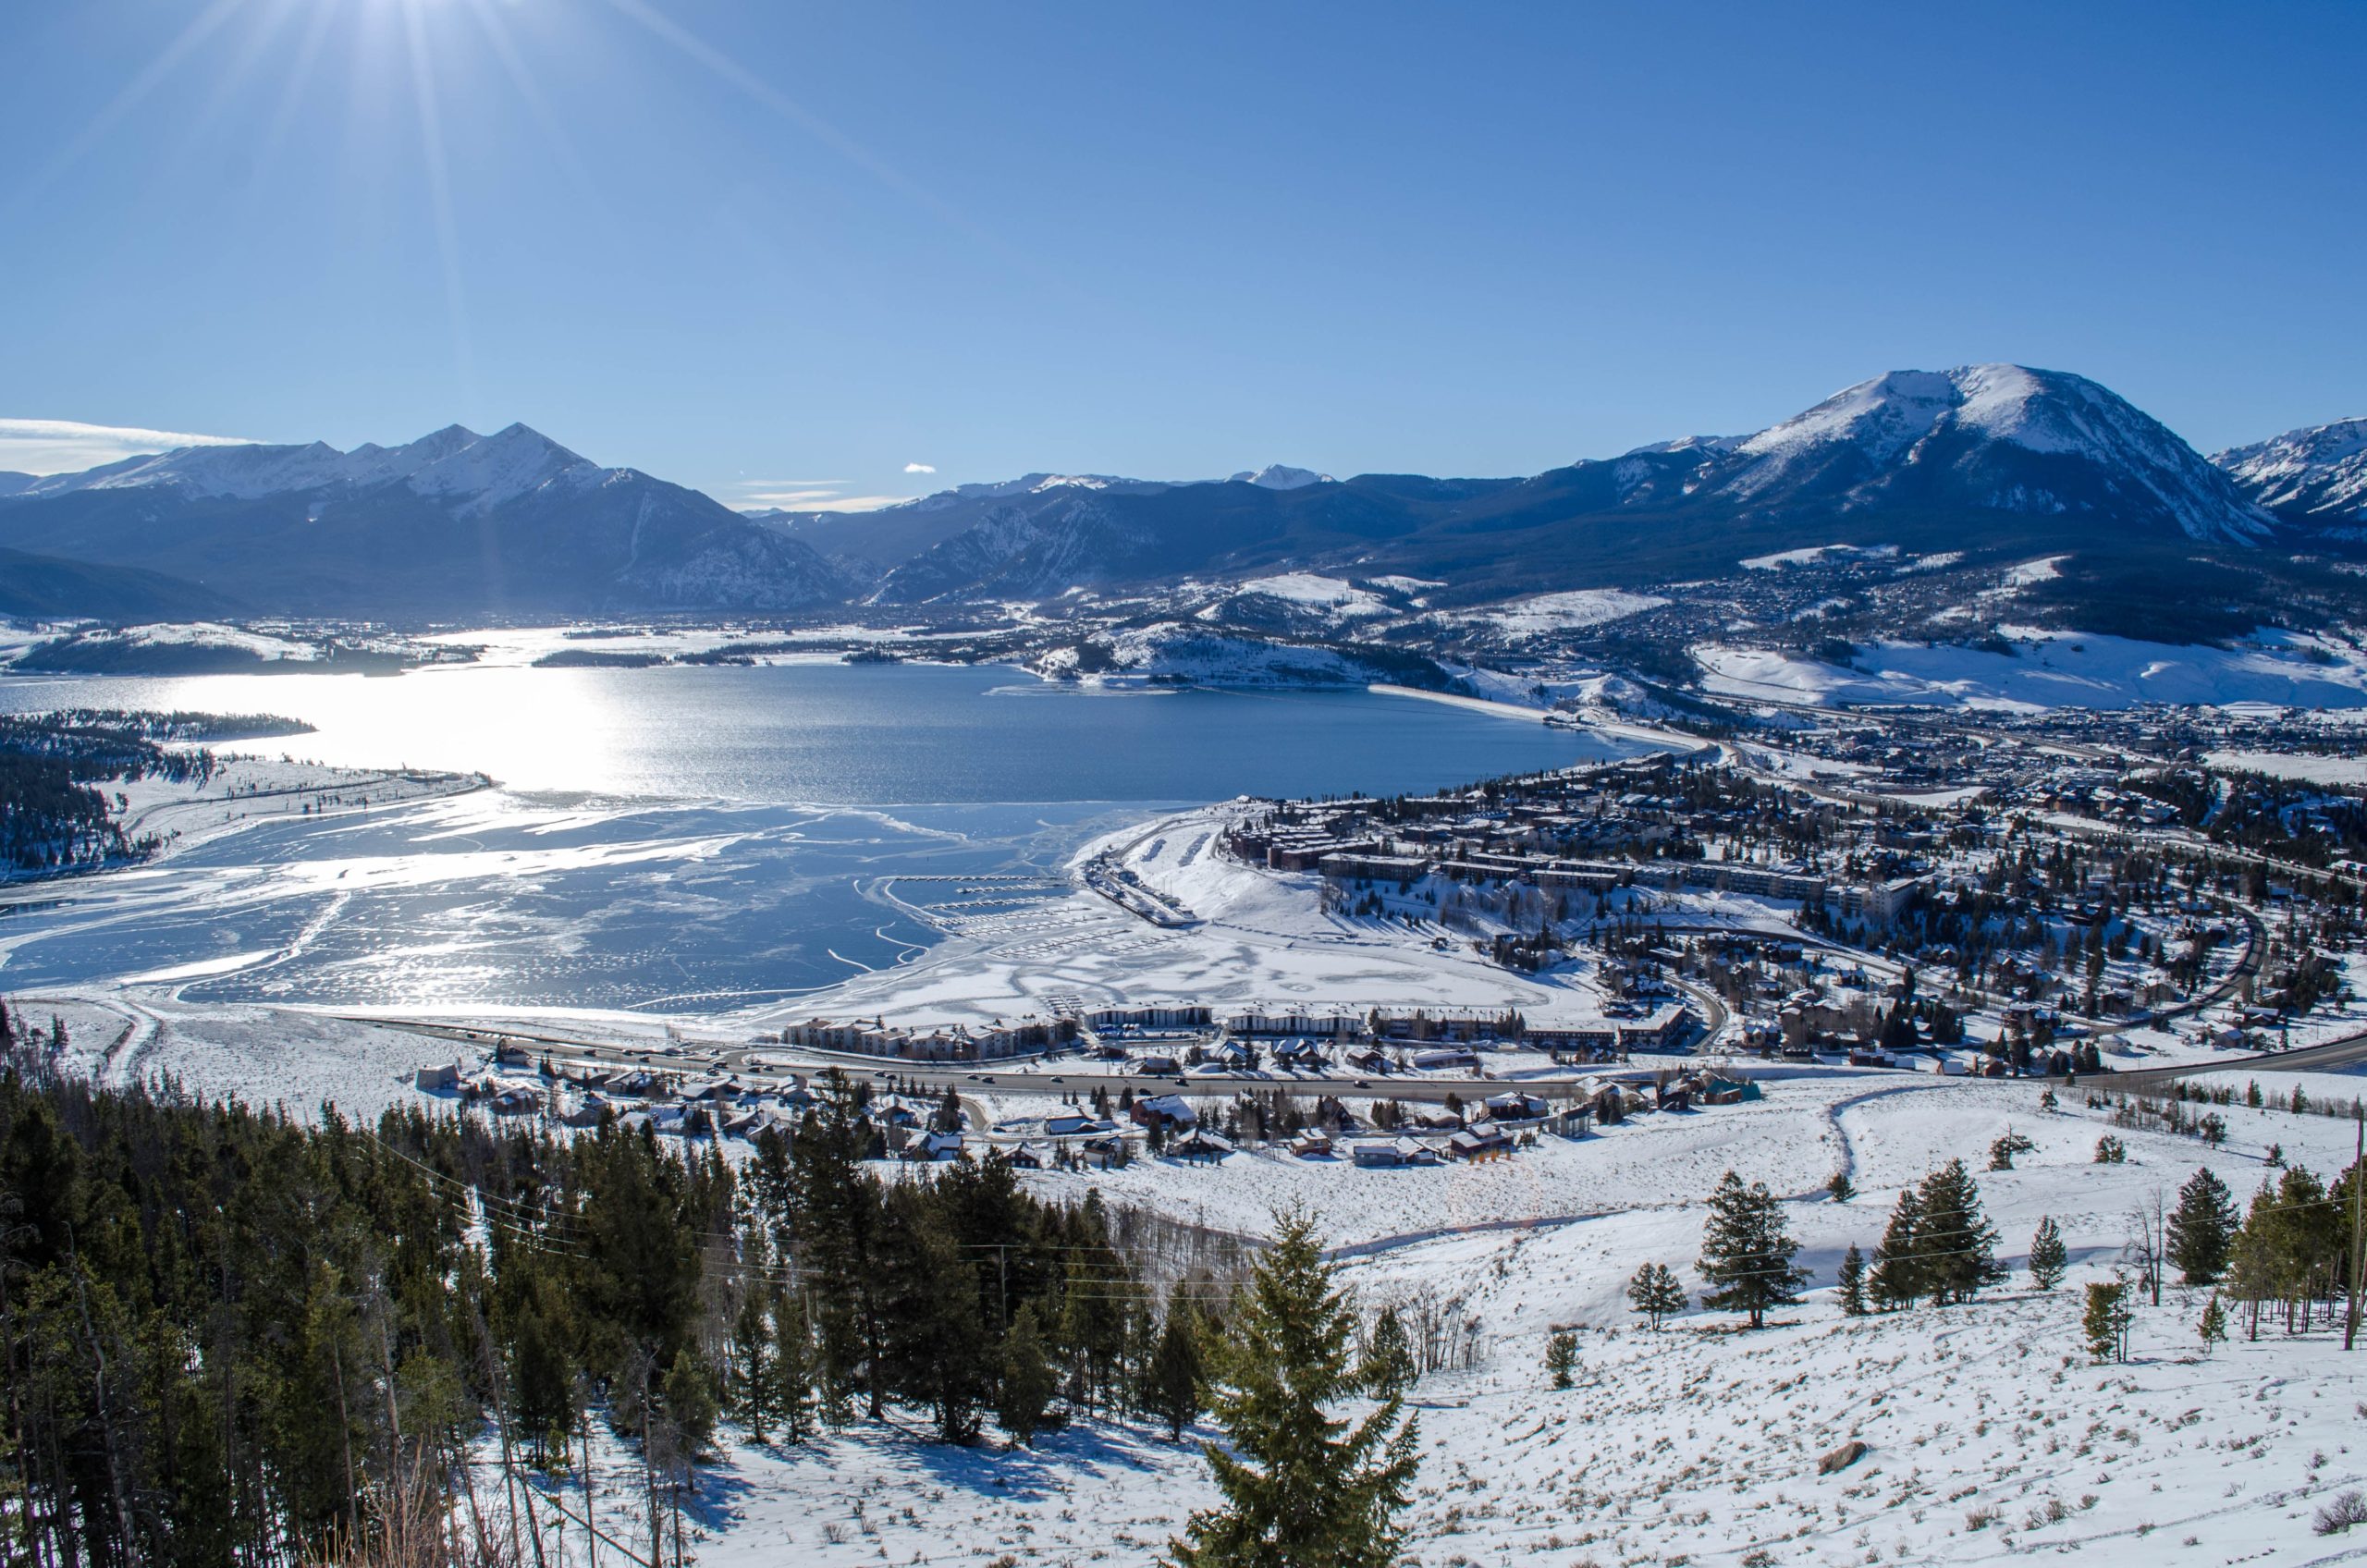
[2050,1259]
[1655,1293]
[2202,1229]
[691,1407]
[1746,1252]
[1562,1358]
[1389,1357]
[790,1376]
[1897,1278]
[1852,1279]
[2105,1324]
[2213,1327]
[1303,1487]
[541,1372]
[1028,1381]
[753,1385]
[1174,1392]
[2001,1151]
[1840,1187]
[834,1209]
[933,1347]
[1955,1243]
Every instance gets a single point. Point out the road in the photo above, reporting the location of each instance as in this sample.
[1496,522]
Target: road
[2326,1056]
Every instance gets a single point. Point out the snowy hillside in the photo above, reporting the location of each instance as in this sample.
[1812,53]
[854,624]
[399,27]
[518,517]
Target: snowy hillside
[2049,670]
[2318,475]
[1999,437]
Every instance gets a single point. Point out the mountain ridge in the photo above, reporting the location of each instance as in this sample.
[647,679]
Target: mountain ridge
[1988,460]
[452,523]
[2315,474]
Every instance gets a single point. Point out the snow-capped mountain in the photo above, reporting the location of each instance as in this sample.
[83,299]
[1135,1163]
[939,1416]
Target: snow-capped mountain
[1281,476]
[472,471]
[2316,475]
[1989,437]
[451,523]
[1998,456]
[1983,462]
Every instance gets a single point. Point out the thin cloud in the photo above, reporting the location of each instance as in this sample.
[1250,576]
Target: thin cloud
[65,446]
[920,468]
[815,500]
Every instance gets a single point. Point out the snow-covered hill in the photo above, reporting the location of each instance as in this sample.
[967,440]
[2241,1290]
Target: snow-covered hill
[1999,437]
[2313,475]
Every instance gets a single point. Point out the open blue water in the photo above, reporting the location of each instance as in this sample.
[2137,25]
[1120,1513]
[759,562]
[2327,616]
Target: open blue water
[685,840]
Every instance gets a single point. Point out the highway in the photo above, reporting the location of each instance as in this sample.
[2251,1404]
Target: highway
[2326,1056]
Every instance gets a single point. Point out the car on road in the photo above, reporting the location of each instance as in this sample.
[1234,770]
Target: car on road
[1362,1085]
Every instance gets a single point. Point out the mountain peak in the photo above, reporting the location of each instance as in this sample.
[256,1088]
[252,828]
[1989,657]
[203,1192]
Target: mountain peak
[2316,474]
[496,469]
[2000,436]
[1281,476]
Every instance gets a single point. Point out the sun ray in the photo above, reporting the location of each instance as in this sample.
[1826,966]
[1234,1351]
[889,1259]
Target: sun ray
[562,147]
[230,83]
[282,115]
[149,79]
[439,193]
[729,70]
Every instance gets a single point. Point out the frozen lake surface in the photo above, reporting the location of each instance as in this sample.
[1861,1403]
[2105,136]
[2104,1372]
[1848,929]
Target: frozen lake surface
[687,839]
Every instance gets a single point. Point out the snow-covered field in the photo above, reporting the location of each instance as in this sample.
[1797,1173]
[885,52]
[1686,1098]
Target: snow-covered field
[2348,771]
[1989,1435]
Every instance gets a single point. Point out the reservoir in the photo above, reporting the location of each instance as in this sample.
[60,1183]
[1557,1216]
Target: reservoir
[687,839]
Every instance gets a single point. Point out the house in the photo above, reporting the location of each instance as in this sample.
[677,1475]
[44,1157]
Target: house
[443,1078]
[1022,1157]
[1311,1146]
[1157,1066]
[1486,1141]
[934,1146]
[1199,1144]
[1513,1106]
[1163,1110]
[587,1113]
[1392,1154]
[1075,1124]
[1304,1054]
[1447,1060]
[1716,1090]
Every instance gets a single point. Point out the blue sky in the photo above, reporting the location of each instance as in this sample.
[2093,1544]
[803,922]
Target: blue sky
[785,250]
